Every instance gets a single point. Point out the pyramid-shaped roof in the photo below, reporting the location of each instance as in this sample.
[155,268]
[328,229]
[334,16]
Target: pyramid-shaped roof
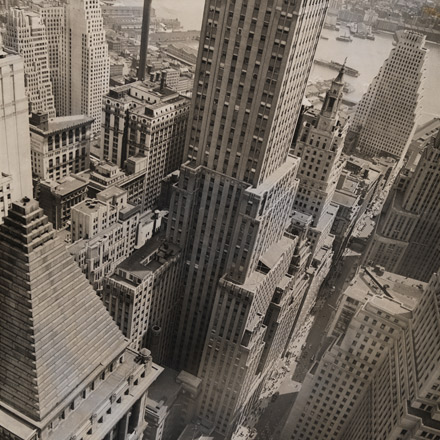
[54,329]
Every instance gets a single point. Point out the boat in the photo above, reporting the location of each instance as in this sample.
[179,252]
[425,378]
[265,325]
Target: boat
[337,66]
[371,37]
[323,37]
[346,38]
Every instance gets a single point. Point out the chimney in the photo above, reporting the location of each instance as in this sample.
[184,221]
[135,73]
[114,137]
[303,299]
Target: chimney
[144,40]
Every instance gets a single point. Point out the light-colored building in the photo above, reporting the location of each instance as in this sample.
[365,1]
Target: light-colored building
[105,175]
[53,17]
[103,232]
[26,35]
[386,116]
[15,151]
[364,385]
[85,65]
[59,146]
[231,208]
[407,238]
[319,145]
[57,197]
[56,333]
[139,120]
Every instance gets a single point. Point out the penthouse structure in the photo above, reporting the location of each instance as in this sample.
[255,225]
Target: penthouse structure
[15,154]
[231,208]
[66,371]
[378,376]
[59,146]
[26,35]
[386,116]
[407,237]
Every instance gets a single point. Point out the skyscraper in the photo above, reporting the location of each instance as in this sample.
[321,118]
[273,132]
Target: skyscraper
[386,116]
[26,35]
[232,205]
[65,369]
[319,146]
[407,238]
[15,152]
[52,15]
[85,65]
[377,377]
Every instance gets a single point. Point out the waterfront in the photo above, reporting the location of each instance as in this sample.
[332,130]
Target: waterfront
[367,56]
[364,55]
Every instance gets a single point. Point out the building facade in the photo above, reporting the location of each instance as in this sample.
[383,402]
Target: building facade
[141,298]
[103,232]
[407,237]
[319,145]
[15,152]
[57,198]
[364,385]
[26,35]
[85,65]
[386,116]
[53,17]
[59,146]
[143,121]
[57,334]
[230,209]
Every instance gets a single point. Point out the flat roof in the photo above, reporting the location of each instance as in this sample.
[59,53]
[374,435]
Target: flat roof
[65,185]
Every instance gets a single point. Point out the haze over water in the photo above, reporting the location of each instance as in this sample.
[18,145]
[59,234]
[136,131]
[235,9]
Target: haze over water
[364,55]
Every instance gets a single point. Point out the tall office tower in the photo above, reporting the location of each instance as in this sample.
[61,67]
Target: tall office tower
[386,116]
[320,144]
[66,371]
[232,204]
[378,375]
[15,152]
[26,35]
[407,238]
[402,400]
[85,65]
[52,15]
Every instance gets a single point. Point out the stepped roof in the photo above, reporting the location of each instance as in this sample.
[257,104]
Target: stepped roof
[54,329]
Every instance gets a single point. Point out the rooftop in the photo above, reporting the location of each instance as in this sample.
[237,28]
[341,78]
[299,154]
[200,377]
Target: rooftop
[144,261]
[390,292]
[65,185]
[61,123]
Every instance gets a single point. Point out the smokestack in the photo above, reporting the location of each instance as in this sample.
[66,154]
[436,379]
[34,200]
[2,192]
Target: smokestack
[144,40]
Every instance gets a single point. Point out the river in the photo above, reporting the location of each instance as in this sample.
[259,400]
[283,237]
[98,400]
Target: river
[364,55]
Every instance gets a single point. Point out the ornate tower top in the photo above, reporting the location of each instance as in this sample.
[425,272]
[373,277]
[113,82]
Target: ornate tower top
[334,95]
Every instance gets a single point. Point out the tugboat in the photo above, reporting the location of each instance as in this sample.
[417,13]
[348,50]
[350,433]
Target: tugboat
[346,38]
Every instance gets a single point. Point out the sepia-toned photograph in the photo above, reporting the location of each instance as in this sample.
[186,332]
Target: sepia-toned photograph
[219,219]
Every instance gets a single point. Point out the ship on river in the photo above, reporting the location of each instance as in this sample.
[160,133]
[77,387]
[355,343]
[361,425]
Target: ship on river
[337,66]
